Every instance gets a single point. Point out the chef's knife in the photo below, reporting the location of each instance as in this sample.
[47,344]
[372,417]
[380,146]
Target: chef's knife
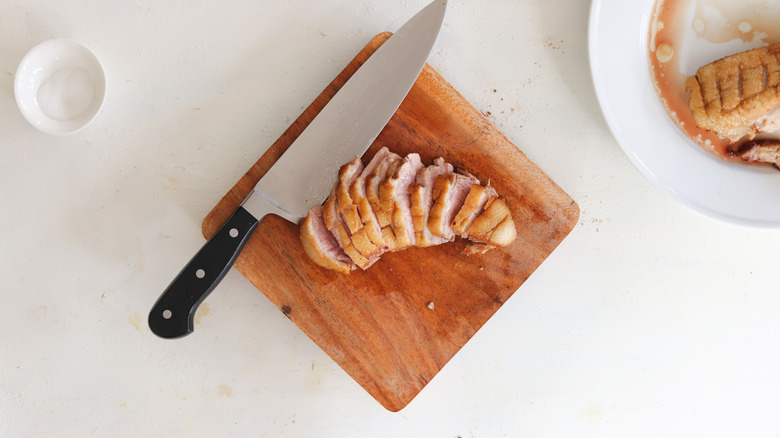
[306,172]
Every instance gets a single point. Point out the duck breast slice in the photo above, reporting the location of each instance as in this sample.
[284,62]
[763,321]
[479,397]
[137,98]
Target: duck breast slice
[335,223]
[422,199]
[395,202]
[320,244]
[473,206]
[449,194]
[494,226]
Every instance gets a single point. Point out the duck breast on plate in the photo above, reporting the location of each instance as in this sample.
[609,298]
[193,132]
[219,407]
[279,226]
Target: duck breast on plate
[739,95]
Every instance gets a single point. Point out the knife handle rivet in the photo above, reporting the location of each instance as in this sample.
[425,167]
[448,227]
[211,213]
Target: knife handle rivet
[167,314]
[200,273]
[233,232]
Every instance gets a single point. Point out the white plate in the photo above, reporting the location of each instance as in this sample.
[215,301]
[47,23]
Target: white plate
[60,86]
[734,193]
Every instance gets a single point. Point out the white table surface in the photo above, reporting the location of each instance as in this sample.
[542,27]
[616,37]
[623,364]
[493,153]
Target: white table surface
[648,320]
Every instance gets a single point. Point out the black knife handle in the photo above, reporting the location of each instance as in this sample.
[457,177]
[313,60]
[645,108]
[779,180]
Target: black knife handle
[173,314]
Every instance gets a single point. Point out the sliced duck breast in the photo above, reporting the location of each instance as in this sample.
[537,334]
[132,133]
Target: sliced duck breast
[357,192]
[383,170]
[335,224]
[395,201]
[320,244]
[449,194]
[422,199]
[360,236]
[383,206]
[494,226]
[473,206]
[348,173]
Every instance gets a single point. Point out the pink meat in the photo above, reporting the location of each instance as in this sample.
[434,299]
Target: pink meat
[422,200]
[401,181]
[320,244]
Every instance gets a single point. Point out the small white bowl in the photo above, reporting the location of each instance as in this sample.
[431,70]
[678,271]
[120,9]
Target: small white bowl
[60,86]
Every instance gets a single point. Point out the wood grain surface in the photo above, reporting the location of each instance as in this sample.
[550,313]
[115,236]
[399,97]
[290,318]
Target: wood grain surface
[395,325]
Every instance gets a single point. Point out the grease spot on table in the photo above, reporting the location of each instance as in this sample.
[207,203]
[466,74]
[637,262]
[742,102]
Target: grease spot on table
[224,391]
[135,320]
[593,414]
[203,311]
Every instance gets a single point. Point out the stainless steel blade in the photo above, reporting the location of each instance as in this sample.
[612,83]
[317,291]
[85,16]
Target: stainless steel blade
[349,123]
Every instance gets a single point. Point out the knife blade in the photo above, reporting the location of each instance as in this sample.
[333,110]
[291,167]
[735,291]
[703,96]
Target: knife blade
[306,172]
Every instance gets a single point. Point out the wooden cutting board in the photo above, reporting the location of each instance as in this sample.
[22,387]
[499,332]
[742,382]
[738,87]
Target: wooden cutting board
[395,325]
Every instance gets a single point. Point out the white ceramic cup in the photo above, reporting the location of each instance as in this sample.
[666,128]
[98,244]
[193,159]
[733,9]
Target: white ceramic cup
[60,86]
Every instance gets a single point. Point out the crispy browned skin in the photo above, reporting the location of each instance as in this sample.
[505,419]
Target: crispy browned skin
[422,200]
[367,216]
[358,234]
[321,246]
[357,191]
[475,202]
[441,189]
[335,224]
[759,151]
[394,214]
[374,181]
[494,226]
[347,174]
[733,95]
